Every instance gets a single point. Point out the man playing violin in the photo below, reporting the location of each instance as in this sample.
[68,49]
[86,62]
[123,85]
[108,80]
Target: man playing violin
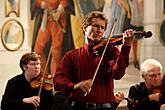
[19,95]
[147,93]
[75,72]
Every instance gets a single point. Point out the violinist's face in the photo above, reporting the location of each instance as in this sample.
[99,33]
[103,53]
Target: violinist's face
[32,69]
[153,78]
[96,30]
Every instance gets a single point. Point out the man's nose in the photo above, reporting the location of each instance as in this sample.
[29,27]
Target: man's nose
[99,28]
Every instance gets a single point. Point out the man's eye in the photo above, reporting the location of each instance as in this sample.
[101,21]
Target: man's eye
[98,26]
[102,27]
[94,25]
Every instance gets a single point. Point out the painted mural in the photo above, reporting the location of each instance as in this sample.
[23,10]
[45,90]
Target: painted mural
[57,25]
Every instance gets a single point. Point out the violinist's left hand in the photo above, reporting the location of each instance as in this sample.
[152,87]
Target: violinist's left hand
[35,100]
[128,37]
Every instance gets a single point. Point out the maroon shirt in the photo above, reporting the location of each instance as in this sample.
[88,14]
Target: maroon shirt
[80,64]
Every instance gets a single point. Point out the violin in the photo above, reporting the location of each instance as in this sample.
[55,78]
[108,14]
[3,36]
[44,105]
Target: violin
[117,39]
[45,81]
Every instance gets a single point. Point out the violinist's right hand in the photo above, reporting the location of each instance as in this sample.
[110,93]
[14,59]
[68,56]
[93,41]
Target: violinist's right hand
[84,85]
[35,100]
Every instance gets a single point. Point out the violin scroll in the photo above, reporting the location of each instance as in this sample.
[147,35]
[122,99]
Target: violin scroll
[141,34]
[144,34]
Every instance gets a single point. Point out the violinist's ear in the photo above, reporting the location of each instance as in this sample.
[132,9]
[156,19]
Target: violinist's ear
[84,29]
[88,30]
[25,67]
[143,76]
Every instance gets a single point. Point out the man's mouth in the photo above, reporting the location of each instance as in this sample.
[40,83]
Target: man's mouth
[97,37]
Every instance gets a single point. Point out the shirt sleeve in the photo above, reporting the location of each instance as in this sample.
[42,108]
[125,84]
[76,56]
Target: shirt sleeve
[122,62]
[62,79]
[10,100]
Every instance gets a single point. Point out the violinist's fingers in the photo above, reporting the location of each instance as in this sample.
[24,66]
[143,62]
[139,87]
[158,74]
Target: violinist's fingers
[130,33]
[128,37]
[84,85]
[35,100]
[89,82]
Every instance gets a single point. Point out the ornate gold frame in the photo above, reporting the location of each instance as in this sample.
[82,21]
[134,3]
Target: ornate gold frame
[12,35]
[12,6]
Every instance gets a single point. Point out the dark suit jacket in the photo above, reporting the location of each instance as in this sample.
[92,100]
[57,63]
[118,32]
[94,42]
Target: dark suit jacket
[140,93]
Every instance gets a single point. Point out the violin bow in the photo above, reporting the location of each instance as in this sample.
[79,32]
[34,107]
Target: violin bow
[98,66]
[42,79]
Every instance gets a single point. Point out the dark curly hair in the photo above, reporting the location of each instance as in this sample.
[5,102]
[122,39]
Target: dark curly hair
[27,57]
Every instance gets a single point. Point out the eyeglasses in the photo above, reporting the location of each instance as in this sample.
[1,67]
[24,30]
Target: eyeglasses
[34,64]
[154,75]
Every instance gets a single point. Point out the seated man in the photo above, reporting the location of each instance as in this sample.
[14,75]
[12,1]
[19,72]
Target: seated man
[19,94]
[145,95]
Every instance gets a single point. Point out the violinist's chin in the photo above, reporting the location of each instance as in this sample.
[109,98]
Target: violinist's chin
[97,38]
